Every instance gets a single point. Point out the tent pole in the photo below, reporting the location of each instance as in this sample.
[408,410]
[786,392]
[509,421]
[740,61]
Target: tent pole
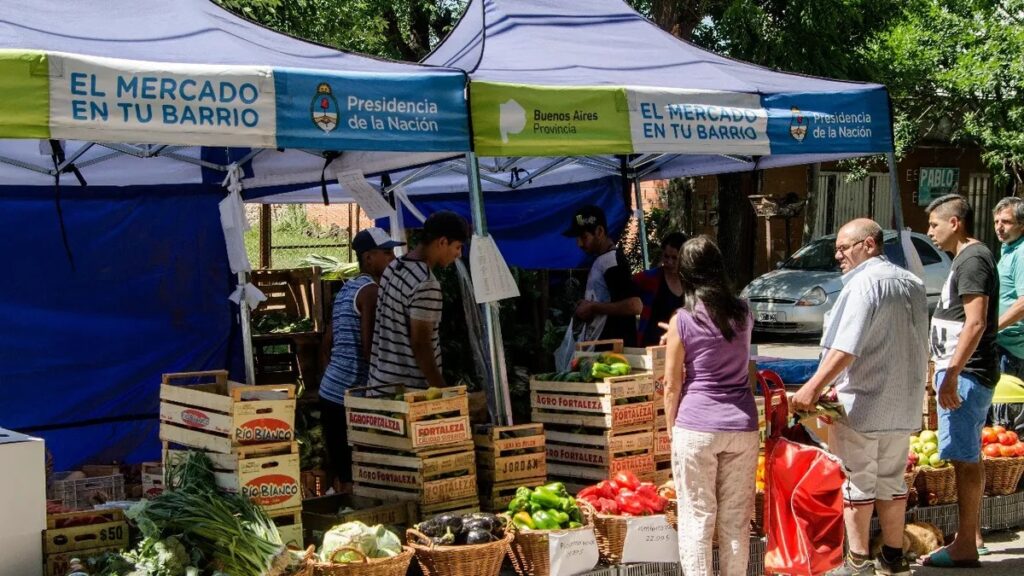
[641,223]
[894,193]
[492,325]
[246,322]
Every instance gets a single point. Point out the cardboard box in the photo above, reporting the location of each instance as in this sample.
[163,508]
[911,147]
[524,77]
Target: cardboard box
[23,501]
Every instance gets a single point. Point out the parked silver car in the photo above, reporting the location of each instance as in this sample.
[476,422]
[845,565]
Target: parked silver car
[794,297]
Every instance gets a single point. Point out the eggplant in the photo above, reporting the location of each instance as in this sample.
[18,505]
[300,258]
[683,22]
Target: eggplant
[431,528]
[478,537]
[477,524]
[452,522]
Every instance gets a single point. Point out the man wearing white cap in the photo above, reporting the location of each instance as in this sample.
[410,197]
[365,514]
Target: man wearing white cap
[350,339]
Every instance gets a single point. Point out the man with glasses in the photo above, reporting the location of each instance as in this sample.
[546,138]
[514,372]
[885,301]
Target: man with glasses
[875,351]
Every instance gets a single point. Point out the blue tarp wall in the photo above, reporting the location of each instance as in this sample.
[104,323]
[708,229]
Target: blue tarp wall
[82,348]
[527,224]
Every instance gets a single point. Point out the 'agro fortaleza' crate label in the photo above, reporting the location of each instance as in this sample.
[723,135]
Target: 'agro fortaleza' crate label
[598,457]
[432,432]
[627,414]
[272,489]
[567,402]
[376,422]
[640,464]
[388,477]
[264,430]
[449,489]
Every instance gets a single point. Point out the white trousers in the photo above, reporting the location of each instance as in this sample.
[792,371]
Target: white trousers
[714,477]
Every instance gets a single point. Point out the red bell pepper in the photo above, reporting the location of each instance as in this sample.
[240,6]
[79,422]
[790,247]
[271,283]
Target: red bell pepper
[629,504]
[588,492]
[614,486]
[626,479]
[648,495]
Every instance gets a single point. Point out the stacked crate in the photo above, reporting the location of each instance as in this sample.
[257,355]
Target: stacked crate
[594,429]
[508,457]
[411,444]
[81,535]
[248,432]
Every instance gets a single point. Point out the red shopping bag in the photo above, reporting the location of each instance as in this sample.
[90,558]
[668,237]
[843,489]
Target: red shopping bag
[803,503]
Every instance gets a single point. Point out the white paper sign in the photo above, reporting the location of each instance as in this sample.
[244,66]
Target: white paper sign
[650,539]
[492,280]
[369,199]
[572,552]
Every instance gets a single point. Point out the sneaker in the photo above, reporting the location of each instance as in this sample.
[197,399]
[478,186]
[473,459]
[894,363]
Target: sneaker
[899,568]
[854,567]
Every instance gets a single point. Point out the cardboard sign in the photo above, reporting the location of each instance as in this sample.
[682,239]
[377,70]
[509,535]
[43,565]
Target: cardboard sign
[572,552]
[369,199]
[650,539]
[492,280]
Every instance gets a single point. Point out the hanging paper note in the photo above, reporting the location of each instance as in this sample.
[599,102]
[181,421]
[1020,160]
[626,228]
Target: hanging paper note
[492,280]
[369,199]
[572,552]
[650,539]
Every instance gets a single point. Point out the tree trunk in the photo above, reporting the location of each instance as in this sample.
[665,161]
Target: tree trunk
[678,17]
[736,227]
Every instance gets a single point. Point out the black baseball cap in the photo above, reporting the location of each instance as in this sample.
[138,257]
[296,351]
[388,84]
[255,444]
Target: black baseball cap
[373,239]
[586,219]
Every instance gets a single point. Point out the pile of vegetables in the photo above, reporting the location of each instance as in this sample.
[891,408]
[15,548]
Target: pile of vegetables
[624,495]
[195,529]
[591,369]
[457,530]
[280,323]
[375,542]
[547,507]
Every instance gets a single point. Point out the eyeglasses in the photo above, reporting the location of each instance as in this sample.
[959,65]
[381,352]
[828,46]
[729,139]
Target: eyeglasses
[844,249]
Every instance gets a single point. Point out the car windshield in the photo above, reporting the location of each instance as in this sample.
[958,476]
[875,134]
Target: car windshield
[818,255]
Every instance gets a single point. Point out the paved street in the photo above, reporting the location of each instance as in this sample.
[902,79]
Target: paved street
[1007,557]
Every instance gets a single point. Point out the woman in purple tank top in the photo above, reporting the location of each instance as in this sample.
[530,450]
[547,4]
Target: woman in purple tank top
[709,405]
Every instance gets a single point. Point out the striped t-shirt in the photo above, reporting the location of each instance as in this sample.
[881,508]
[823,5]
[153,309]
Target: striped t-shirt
[408,291]
[348,367]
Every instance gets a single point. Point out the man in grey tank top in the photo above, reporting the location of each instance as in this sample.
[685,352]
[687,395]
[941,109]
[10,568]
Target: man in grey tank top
[875,350]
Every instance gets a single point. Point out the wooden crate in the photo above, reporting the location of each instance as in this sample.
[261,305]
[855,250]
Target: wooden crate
[152,479]
[597,456]
[615,402]
[325,512]
[217,415]
[397,418]
[495,497]
[276,359]
[84,493]
[662,442]
[460,506]
[267,473]
[662,470]
[289,526]
[110,531]
[59,563]
[649,359]
[432,477]
[507,453]
[297,293]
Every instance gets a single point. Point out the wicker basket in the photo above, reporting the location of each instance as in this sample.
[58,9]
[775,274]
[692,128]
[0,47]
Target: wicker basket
[1002,475]
[936,485]
[529,551]
[672,513]
[394,566]
[466,560]
[610,532]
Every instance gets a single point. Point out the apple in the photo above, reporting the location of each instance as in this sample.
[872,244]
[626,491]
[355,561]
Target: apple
[929,436]
[991,450]
[1007,451]
[935,461]
[929,448]
[989,436]
[1004,438]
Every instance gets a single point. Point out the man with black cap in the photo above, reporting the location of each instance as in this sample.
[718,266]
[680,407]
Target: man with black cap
[350,339]
[610,304]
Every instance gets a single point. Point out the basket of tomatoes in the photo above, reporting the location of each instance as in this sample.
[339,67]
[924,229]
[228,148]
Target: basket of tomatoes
[1004,460]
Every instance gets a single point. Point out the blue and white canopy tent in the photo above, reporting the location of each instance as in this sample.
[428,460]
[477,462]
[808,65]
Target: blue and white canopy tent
[566,92]
[122,121]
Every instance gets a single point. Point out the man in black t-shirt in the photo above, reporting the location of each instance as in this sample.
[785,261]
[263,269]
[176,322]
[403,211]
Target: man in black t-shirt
[610,304]
[963,336]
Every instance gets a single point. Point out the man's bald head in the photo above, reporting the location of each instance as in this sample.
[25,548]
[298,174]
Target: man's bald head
[862,229]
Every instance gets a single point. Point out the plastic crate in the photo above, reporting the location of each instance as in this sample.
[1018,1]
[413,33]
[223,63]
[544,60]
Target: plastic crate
[945,517]
[1002,512]
[84,493]
[650,569]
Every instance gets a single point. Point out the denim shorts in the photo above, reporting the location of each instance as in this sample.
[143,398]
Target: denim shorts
[960,429]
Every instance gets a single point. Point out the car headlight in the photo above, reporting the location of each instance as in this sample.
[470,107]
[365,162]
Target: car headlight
[814,297]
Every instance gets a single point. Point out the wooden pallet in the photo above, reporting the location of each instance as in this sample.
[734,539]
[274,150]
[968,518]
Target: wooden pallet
[507,453]
[204,410]
[397,418]
[614,402]
[268,473]
[596,456]
[431,477]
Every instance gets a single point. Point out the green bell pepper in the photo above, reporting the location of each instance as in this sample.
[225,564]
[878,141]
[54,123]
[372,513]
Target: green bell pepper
[556,487]
[544,521]
[546,498]
[518,504]
[560,517]
[524,520]
[575,525]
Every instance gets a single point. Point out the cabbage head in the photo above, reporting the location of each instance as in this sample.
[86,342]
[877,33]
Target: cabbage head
[375,542]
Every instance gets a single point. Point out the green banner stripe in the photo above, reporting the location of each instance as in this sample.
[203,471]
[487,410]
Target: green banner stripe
[24,94]
[523,120]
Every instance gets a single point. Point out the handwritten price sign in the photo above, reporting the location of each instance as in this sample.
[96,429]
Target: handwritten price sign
[650,539]
[572,552]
